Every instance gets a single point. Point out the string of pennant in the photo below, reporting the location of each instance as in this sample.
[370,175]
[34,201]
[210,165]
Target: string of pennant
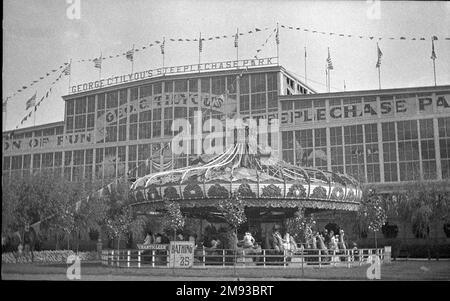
[158,42]
[264,44]
[131,52]
[46,95]
[110,186]
[434,37]
[218,37]
[23,88]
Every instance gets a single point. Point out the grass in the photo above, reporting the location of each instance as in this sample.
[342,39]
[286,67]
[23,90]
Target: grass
[406,270]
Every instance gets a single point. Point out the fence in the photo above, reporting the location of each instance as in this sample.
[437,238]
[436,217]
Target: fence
[204,257]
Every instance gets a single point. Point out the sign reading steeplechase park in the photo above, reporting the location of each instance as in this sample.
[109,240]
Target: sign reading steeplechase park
[135,76]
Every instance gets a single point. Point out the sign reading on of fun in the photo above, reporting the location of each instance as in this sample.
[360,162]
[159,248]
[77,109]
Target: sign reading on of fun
[181,254]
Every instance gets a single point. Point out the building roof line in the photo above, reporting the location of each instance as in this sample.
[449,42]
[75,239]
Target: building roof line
[367,92]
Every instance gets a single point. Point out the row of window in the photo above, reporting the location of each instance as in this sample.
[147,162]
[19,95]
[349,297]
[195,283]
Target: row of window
[354,149]
[258,94]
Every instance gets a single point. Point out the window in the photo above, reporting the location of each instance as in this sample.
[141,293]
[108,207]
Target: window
[132,161]
[244,90]
[372,153]
[337,157]
[389,152]
[272,91]
[320,148]
[408,150]
[427,149]
[354,151]
[287,146]
[444,145]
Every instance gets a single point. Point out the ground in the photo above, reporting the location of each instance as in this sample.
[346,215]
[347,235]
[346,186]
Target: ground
[399,270]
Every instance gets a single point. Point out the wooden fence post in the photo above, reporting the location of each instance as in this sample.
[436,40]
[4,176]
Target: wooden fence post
[139,258]
[264,257]
[128,258]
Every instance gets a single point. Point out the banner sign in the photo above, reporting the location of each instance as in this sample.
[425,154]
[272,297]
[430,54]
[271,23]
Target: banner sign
[407,106]
[152,246]
[47,142]
[181,254]
[135,76]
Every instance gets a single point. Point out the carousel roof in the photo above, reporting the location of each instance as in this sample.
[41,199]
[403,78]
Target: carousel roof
[260,180]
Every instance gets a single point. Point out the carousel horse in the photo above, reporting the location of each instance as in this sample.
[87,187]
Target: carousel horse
[314,242]
[277,241]
[335,248]
[342,245]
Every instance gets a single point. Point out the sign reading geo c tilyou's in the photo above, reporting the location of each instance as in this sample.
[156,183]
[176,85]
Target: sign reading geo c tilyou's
[130,77]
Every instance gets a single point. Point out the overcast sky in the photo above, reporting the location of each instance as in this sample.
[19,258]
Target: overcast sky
[38,36]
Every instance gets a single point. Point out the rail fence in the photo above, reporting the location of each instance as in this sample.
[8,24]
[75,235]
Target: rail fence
[204,257]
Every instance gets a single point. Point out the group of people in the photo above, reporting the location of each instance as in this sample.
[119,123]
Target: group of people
[159,238]
[286,243]
[327,240]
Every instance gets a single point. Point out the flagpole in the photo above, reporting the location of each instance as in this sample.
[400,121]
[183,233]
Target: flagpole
[278,45]
[306,77]
[100,69]
[379,78]
[132,61]
[70,73]
[200,45]
[434,71]
[329,74]
[164,53]
[237,47]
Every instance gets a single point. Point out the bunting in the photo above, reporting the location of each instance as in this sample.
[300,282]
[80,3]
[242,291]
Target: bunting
[35,81]
[357,36]
[32,101]
[264,44]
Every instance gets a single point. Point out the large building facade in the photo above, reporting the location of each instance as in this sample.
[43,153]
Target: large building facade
[382,137]
[388,138]
[125,130]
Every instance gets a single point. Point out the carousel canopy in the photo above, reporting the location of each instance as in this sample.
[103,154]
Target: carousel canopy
[260,181]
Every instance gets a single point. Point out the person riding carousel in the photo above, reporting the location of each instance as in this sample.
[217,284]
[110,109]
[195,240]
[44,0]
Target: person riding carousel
[248,241]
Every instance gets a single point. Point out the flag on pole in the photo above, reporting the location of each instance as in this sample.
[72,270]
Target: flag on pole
[98,62]
[305,51]
[129,55]
[67,70]
[380,54]
[236,39]
[31,102]
[277,36]
[329,62]
[433,54]
[200,43]
[163,45]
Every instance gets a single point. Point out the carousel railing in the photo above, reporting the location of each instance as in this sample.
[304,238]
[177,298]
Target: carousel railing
[205,257]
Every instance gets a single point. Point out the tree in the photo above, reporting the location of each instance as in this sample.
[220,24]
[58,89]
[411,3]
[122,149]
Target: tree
[118,223]
[233,212]
[371,212]
[173,218]
[301,227]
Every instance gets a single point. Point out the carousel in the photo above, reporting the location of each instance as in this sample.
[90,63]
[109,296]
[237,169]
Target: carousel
[271,189]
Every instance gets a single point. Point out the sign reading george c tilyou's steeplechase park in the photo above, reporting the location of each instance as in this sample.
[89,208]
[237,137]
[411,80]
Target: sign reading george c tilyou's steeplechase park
[135,76]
